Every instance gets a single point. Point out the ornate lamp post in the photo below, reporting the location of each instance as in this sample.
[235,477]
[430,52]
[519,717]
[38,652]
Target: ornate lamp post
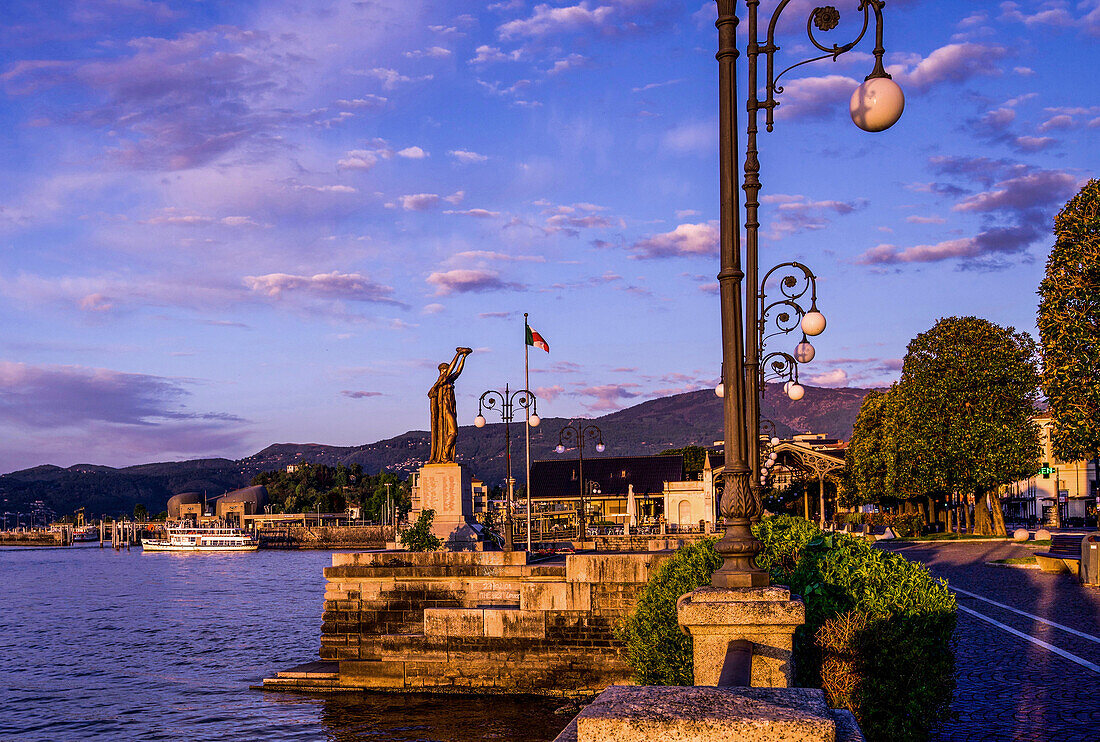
[507,399]
[575,434]
[876,105]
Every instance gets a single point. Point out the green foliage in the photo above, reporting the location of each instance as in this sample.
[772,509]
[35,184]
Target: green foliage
[903,524]
[967,396]
[695,458]
[864,464]
[1069,327]
[141,513]
[958,421]
[655,647]
[420,536]
[330,489]
[878,633]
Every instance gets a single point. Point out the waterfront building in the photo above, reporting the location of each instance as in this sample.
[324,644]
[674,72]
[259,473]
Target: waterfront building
[232,507]
[618,490]
[480,492]
[1063,493]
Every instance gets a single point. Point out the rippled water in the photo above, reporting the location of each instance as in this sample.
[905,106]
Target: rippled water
[97,644]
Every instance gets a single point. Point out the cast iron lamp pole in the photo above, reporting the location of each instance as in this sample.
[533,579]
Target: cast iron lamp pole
[876,105]
[575,434]
[489,400]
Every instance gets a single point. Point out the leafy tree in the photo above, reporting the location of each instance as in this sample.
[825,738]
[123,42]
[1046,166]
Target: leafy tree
[141,513]
[329,489]
[963,414]
[865,459]
[695,458]
[1069,328]
[420,536]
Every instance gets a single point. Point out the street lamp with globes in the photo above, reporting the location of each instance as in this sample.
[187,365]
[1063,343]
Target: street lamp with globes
[874,106]
[575,434]
[507,399]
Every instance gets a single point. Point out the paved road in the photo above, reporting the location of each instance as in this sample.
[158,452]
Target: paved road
[1010,686]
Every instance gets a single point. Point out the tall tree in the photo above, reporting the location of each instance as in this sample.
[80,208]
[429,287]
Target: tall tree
[966,399]
[1069,329]
[865,458]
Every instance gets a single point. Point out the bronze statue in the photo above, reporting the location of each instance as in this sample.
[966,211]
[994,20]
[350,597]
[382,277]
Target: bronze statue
[444,414]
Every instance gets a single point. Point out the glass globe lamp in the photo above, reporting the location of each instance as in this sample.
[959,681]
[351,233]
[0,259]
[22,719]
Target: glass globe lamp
[877,104]
[804,352]
[813,323]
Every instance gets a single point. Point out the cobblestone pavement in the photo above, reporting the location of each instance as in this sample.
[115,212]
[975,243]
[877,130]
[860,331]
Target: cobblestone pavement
[1009,688]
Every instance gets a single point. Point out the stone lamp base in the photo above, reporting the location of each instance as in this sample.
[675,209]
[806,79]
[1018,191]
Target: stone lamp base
[765,616]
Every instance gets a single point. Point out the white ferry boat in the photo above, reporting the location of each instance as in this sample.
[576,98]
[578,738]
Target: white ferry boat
[191,537]
[84,535]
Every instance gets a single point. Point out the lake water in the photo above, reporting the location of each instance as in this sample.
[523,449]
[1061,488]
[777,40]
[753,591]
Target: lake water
[104,645]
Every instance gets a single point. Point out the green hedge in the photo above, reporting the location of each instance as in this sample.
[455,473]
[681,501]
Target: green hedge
[878,633]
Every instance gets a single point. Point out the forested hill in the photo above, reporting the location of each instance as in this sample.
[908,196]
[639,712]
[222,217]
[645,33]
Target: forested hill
[646,428]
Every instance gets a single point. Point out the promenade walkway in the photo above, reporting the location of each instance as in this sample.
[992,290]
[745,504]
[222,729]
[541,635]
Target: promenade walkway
[1029,647]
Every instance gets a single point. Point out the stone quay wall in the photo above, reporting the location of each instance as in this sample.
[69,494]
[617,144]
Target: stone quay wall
[325,537]
[480,621]
[643,542]
[30,538]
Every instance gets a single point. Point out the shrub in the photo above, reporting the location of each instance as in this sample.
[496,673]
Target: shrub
[420,536]
[878,632]
[656,648]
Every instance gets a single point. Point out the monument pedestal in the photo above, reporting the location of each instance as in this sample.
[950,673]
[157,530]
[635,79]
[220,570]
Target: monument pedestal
[445,488]
[765,616]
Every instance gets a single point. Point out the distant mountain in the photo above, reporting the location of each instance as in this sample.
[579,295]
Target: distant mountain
[692,418]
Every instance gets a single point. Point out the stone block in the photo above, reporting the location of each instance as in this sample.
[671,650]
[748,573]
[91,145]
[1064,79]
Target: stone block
[555,596]
[602,568]
[514,624]
[372,673]
[383,559]
[699,714]
[765,616]
[454,622]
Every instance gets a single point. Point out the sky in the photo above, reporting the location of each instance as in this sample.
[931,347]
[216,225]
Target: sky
[225,225]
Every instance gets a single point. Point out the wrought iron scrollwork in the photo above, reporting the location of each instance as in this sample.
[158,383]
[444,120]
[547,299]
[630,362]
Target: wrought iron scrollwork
[778,365]
[824,19]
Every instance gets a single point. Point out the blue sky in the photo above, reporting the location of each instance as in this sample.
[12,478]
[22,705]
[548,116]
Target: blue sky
[224,225]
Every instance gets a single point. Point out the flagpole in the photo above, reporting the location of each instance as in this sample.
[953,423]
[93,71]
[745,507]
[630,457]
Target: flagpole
[527,428]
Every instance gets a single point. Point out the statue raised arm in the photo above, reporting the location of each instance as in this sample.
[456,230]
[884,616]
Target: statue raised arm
[444,414]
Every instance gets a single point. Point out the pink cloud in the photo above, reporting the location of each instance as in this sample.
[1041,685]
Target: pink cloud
[466,280]
[550,20]
[685,240]
[608,396]
[334,285]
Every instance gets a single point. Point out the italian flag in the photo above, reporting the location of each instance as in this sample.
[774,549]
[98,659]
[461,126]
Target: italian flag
[534,339]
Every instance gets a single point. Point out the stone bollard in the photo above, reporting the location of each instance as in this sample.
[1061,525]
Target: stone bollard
[765,616]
